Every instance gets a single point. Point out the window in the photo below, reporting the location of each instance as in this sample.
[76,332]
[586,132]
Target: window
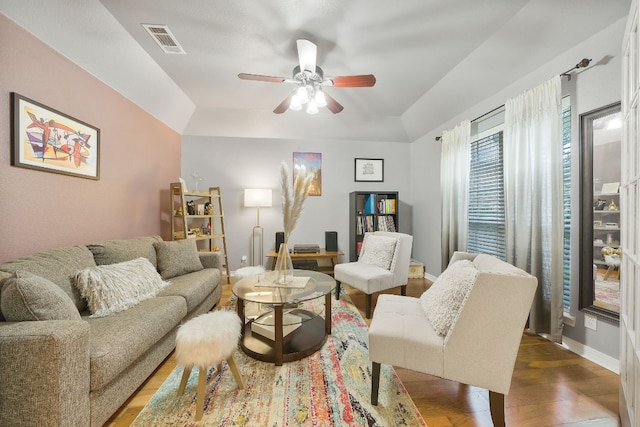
[486,193]
[486,197]
[566,181]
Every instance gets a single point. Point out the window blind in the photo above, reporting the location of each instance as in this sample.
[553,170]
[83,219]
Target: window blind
[566,181]
[486,197]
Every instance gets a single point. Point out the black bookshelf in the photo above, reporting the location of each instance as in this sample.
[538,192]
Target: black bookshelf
[370,211]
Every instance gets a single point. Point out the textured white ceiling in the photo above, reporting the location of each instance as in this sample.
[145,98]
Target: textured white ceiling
[409,45]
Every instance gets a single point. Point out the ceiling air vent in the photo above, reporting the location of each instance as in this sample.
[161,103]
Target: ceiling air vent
[165,39]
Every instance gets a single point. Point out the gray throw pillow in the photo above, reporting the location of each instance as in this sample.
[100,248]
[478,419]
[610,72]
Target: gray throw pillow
[26,296]
[177,257]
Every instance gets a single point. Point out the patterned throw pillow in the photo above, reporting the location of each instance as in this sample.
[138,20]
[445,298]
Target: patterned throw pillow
[177,257]
[443,300]
[112,288]
[26,296]
[378,250]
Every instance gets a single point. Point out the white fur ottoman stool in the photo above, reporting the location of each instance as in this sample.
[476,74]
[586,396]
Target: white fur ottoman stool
[205,341]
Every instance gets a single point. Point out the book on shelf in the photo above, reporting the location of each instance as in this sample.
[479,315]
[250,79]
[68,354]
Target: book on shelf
[387,206]
[370,204]
[386,223]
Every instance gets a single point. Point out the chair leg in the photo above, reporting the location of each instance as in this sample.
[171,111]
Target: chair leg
[337,289]
[403,290]
[496,404]
[185,377]
[375,382]
[367,306]
[236,373]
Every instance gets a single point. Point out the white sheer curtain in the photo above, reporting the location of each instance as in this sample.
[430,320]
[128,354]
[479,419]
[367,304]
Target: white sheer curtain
[533,197]
[454,184]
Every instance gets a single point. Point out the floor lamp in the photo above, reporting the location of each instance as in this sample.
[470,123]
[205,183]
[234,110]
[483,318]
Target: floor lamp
[257,198]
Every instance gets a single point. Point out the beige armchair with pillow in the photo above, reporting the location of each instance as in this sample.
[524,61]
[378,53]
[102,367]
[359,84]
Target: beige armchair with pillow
[383,264]
[466,327]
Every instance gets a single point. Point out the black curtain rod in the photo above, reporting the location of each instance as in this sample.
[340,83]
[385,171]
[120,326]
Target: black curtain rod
[438,138]
[582,64]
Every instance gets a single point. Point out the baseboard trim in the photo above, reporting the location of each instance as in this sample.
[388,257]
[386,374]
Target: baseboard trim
[591,354]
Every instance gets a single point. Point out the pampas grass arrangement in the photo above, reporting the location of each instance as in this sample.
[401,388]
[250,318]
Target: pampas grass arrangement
[293,197]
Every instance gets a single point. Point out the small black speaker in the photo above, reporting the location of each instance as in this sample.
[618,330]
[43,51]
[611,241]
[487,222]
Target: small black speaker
[279,239]
[331,241]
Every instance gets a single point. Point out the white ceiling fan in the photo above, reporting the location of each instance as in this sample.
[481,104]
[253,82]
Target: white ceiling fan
[310,80]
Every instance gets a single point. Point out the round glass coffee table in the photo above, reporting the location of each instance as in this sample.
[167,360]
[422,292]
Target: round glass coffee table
[283,324]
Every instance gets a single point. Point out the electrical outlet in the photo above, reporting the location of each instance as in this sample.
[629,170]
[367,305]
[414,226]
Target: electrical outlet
[590,321]
[243,260]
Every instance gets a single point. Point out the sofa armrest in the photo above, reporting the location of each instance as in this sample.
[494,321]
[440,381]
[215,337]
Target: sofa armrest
[211,259]
[45,373]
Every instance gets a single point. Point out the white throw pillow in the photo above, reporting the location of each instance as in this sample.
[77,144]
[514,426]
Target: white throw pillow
[116,287]
[443,300]
[378,250]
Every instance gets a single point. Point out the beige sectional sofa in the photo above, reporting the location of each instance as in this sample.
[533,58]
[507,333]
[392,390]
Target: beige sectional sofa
[60,365]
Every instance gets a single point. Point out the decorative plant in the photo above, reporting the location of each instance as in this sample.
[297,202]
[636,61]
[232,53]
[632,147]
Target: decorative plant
[293,197]
[292,201]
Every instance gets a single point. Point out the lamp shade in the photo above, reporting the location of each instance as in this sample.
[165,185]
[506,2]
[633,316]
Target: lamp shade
[257,197]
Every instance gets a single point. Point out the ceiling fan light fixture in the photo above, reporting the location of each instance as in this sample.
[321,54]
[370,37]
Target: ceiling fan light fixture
[320,99]
[312,108]
[302,94]
[295,104]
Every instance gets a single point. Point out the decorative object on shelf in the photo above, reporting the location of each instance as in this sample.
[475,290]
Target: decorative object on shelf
[600,204]
[310,163]
[292,202]
[369,170]
[191,207]
[197,179]
[257,198]
[612,206]
[49,140]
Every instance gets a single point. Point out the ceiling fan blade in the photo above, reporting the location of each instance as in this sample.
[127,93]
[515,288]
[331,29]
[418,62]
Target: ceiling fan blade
[284,105]
[307,54]
[333,105]
[364,80]
[245,76]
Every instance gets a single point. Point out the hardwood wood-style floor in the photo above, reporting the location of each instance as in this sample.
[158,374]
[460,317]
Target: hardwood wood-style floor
[551,386]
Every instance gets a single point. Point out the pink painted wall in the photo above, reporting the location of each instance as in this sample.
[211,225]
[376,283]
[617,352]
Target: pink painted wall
[139,157]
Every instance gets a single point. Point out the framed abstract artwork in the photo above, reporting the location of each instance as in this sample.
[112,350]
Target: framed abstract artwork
[310,162]
[369,170]
[49,140]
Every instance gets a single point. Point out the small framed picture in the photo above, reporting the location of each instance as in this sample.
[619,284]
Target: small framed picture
[369,170]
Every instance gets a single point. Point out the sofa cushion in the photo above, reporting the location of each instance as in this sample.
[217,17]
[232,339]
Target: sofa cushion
[26,297]
[177,257]
[193,287]
[378,250]
[117,341]
[120,250]
[117,287]
[58,265]
[444,298]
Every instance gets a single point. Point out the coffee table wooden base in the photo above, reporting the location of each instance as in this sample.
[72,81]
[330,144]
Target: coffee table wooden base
[301,343]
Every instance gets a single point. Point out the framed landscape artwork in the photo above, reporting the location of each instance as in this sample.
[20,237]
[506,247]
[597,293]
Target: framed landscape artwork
[310,162]
[49,140]
[369,170]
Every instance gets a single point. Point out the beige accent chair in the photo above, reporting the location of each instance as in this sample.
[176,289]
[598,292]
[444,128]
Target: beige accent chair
[481,346]
[383,264]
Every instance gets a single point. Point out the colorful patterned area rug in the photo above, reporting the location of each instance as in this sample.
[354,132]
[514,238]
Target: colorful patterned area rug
[329,388]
